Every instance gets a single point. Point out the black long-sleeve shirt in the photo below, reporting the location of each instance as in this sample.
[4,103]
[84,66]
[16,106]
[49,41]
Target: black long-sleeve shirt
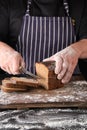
[12,12]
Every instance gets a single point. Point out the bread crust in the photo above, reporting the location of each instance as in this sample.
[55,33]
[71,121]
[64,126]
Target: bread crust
[25,81]
[10,89]
[48,80]
[18,84]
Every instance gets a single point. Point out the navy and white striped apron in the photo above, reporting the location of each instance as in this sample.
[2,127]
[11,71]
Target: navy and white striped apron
[41,37]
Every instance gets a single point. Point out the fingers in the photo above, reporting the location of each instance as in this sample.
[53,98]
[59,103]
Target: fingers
[69,72]
[67,77]
[6,69]
[69,69]
[63,67]
[63,70]
[12,66]
[59,62]
[15,68]
[49,59]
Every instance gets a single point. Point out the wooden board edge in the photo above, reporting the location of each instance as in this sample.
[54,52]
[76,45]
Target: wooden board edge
[45,105]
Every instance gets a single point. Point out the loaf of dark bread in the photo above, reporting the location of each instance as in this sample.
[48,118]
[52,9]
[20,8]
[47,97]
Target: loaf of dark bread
[45,69]
[48,80]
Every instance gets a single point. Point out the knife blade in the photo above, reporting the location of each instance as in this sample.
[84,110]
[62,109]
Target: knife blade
[24,71]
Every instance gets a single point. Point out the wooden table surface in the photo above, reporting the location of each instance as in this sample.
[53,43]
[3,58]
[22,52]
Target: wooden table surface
[73,94]
[69,117]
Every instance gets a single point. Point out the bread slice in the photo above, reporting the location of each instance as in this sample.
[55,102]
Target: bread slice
[11,89]
[18,84]
[48,80]
[25,81]
[11,84]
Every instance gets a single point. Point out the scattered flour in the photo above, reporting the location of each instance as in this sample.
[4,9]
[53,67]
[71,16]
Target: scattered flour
[76,92]
[58,119]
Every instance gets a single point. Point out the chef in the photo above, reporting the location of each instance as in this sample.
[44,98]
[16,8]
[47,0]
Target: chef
[43,30]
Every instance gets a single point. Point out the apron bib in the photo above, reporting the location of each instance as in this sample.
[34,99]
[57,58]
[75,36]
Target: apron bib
[41,37]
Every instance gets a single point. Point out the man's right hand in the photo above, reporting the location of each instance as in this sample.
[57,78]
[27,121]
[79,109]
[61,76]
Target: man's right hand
[10,60]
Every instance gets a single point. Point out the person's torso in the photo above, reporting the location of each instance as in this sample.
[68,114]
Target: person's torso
[17,10]
[42,37]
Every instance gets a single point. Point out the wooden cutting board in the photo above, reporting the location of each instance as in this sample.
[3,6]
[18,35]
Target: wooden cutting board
[73,94]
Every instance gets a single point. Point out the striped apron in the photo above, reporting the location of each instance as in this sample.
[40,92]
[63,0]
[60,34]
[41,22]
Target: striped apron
[41,37]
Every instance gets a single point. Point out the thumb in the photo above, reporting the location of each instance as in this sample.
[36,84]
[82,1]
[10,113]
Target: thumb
[49,59]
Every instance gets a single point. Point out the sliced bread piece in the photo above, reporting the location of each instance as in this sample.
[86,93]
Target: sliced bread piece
[11,89]
[11,84]
[25,81]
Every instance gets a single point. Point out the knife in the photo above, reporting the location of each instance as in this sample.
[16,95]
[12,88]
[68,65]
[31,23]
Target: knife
[24,71]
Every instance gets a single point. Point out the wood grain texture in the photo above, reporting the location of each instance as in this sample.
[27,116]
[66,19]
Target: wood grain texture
[73,94]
